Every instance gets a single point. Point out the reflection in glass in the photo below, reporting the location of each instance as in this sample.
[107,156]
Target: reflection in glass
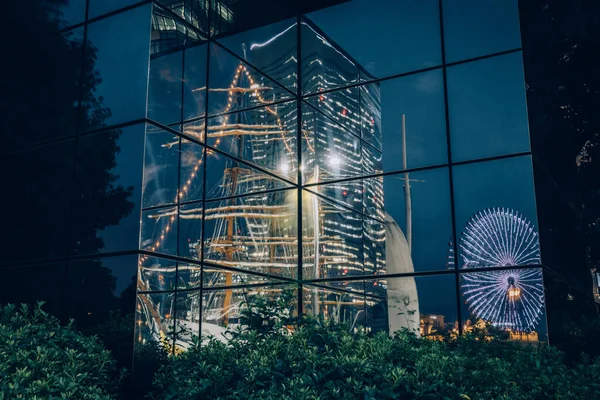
[164,88]
[271,49]
[420,98]
[194,89]
[263,136]
[187,319]
[100,7]
[161,165]
[256,233]
[98,286]
[191,170]
[159,230]
[475,28]
[221,309]
[325,65]
[236,86]
[217,277]
[499,237]
[192,11]
[487,108]
[332,239]
[420,204]
[156,274]
[123,89]
[511,300]
[329,152]
[226,177]
[335,306]
[385,37]
[495,206]
[190,230]
[423,305]
[154,318]
[109,176]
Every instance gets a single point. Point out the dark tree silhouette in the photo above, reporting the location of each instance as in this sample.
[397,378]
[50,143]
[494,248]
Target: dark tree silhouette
[58,191]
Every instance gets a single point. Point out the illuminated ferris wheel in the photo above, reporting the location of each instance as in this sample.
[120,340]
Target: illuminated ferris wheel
[509,299]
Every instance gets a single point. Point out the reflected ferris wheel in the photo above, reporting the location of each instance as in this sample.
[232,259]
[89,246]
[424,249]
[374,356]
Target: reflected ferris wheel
[508,299]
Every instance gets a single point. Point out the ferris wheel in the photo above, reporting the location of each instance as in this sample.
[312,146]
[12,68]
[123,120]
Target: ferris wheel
[508,299]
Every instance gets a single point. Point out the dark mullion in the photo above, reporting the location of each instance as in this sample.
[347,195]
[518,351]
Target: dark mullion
[450,170]
[204,161]
[299,163]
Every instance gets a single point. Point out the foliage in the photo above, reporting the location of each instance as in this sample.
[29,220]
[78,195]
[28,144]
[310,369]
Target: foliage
[40,359]
[328,361]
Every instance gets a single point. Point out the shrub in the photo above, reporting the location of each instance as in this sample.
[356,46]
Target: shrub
[40,359]
[327,361]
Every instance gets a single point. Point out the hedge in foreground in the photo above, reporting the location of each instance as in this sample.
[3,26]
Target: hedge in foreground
[326,361]
[40,359]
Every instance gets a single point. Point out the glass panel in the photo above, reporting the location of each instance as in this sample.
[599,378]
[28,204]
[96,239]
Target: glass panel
[226,177]
[56,90]
[191,168]
[159,230]
[474,28]
[156,273]
[187,319]
[420,98]
[496,213]
[190,230]
[332,239]
[154,318]
[120,46]
[45,283]
[255,233]
[192,11]
[424,305]
[38,191]
[369,29]
[419,242]
[161,166]
[375,240]
[347,193]
[169,32]
[221,309]
[69,13]
[271,49]
[325,65]
[194,84]
[512,301]
[237,86]
[263,136]
[164,88]
[487,108]
[100,7]
[329,152]
[218,277]
[335,306]
[109,177]
[376,314]
[341,108]
[370,114]
[97,287]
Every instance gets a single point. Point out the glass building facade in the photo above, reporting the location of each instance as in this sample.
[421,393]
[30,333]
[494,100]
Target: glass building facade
[371,158]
